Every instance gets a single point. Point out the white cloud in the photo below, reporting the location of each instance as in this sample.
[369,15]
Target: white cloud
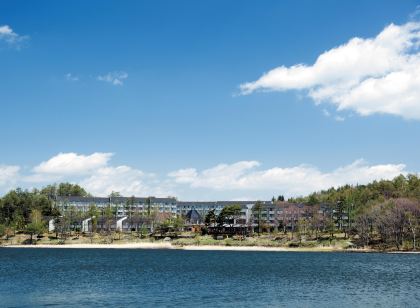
[291,181]
[241,179]
[96,175]
[184,175]
[73,164]
[218,177]
[71,77]
[115,78]
[372,75]
[124,179]
[9,176]
[10,37]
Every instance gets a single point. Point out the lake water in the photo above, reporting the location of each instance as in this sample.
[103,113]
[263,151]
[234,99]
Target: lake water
[150,278]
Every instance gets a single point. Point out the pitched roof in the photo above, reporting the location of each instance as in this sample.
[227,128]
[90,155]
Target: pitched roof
[193,215]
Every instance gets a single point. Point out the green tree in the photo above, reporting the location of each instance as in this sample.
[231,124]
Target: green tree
[148,205]
[178,223]
[36,226]
[50,191]
[93,213]
[257,213]
[229,214]
[129,208]
[18,221]
[210,218]
[68,189]
[109,217]
[114,194]
[312,200]
[23,202]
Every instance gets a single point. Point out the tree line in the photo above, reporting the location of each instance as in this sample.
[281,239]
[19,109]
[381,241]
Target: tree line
[383,213]
[23,210]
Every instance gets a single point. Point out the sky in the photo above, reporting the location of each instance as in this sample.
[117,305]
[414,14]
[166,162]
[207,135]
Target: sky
[208,100]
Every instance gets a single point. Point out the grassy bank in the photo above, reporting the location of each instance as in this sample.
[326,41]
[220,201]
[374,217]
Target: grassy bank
[188,240]
[261,241]
[184,241]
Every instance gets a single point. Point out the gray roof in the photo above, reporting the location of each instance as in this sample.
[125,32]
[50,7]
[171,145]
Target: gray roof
[217,203]
[171,201]
[193,216]
[153,200]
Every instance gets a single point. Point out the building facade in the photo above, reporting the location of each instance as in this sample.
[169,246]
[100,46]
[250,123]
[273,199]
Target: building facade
[128,206]
[281,216]
[122,206]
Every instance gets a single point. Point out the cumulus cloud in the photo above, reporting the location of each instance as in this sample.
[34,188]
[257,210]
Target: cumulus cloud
[184,175]
[9,175]
[367,75]
[291,181]
[243,179]
[219,177]
[95,173]
[114,78]
[11,38]
[123,179]
[73,164]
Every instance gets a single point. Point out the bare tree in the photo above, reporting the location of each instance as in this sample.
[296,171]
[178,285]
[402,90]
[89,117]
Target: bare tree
[364,228]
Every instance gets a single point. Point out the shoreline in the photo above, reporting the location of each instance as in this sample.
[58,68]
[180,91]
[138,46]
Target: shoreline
[169,246]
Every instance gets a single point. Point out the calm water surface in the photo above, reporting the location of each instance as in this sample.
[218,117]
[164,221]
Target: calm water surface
[150,278]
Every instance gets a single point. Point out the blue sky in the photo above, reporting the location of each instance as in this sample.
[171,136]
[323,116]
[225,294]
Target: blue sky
[158,85]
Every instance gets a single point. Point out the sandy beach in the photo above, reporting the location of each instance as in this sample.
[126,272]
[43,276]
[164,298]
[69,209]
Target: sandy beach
[186,247]
[102,246]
